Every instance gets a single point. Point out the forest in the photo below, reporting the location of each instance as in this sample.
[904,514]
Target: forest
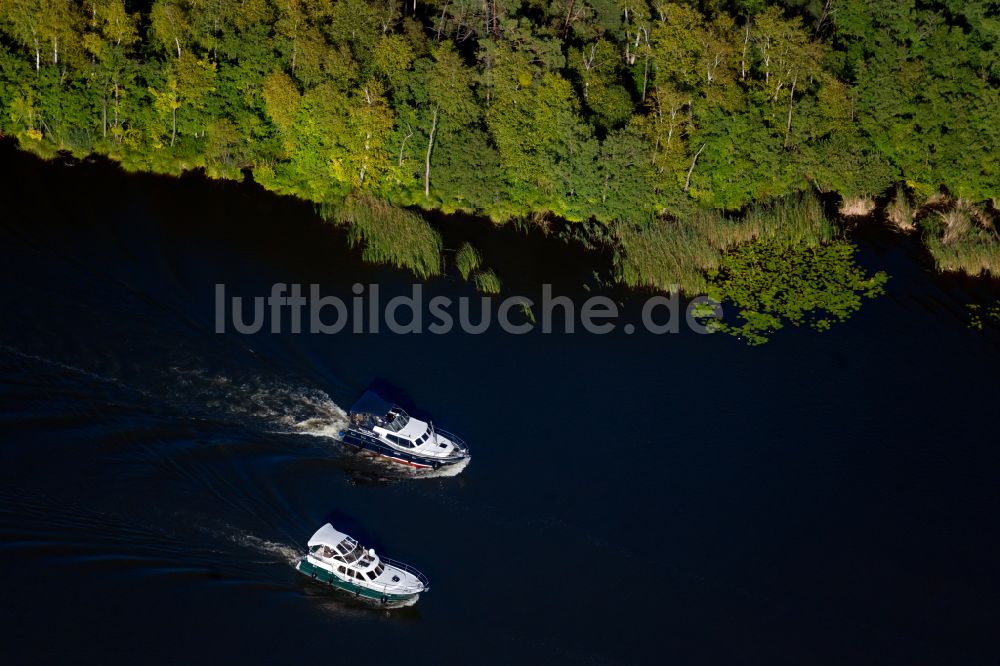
[675,130]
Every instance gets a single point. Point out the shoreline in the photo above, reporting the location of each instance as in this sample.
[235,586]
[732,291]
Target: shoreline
[591,235]
[523,254]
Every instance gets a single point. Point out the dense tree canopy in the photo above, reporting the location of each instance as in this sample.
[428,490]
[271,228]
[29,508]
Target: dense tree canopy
[617,110]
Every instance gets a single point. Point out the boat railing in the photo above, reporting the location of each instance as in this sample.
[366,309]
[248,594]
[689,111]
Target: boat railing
[408,569]
[455,439]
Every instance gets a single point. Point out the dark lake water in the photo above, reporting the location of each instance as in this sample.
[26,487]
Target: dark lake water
[822,499]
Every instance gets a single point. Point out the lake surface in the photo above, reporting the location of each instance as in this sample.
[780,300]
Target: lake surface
[822,499]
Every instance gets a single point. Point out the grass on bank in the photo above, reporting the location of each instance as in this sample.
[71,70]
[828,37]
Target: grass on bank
[899,213]
[961,237]
[857,206]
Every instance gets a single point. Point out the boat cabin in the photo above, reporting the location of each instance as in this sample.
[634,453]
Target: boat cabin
[349,557]
[371,410]
[390,422]
[336,551]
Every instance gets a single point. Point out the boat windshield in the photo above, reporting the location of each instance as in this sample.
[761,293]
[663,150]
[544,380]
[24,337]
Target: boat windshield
[350,551]
[396,419]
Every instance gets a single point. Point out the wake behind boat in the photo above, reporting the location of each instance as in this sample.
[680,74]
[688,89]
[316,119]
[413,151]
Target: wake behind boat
[386,430]
[339,560]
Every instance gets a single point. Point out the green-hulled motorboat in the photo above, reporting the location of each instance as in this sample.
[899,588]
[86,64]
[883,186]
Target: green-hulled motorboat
[338,560]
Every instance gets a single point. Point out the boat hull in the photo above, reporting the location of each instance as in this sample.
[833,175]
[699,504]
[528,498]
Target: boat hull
[366,442]
[321,575]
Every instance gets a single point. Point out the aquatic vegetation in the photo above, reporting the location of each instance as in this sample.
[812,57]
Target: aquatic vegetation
[391,235]
[773,283]
[982,314]
[486,281]
[529,313]
[467,260]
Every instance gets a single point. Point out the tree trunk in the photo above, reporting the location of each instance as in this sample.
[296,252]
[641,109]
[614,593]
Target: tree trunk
[658,114]
[364,165]
[55,50]
[791,98]
[178,43]
[104,116]
[687,183]
[427,159]
[406,138]
[440,27]
[645,75]
[566,23]
[743,60]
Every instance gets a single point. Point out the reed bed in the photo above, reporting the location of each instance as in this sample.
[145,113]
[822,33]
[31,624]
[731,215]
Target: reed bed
[857,207]
[467,260]
[665,255]
[794,219]
[962,238]
[680,252]
[391,235]
[486,281]
[900,212]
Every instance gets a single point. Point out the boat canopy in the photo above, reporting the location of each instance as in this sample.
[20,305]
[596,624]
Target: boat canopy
[327,536]
[371,403]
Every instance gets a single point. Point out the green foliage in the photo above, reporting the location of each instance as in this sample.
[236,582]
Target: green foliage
[925,82]
[546,150]
[618,112]
[598,67]
[391,235]
[467,260]
[774,283]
